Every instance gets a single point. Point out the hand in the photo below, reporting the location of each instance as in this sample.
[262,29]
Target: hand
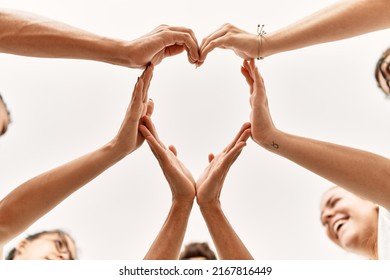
[180,180]
[209,184]
[162,42]
[262,127]
[244,44]
[128,138]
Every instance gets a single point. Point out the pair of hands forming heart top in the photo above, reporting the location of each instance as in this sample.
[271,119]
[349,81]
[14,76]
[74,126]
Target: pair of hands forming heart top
[165,41]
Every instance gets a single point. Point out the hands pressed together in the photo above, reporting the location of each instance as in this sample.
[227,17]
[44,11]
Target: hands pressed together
[138,126]
[362,173]
[342,165]
[165,41]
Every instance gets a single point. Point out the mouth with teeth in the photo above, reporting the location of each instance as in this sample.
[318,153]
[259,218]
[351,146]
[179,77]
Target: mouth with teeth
[338,225]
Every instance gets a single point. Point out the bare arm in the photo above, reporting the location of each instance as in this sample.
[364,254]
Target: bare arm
[36,197]
[363,173]
[169,240]
[209,186]
[32,35]
[342,20]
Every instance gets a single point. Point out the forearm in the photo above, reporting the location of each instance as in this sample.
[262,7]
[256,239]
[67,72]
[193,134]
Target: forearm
[168,242]
[31,35]
[36,197]
[341,20]
[229,246]
[363,173]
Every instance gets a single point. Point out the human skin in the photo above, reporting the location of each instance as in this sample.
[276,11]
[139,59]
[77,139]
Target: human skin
[4,118]
[207,188]
[350,222]
[48,246]
[168,242]
[362,173]
[341,20]
[28,34]
[36,197]
[209,185]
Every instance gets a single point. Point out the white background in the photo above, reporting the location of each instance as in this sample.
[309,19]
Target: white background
[62,109]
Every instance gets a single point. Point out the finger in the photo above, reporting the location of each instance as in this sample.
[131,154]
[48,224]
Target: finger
[136,100]
[143,129]
[221,31]
[248,78]
[147,77]
[211,157]
[236,152]
[149,108]
[183,36]
[243,138]
[249,69]
[244,127]
[155,147]
[258,79]
[166,36]
[147,121]
[191,58]
[217,43]
[232,155]
[173,50]
[185,30]
[173,149]
[245,135]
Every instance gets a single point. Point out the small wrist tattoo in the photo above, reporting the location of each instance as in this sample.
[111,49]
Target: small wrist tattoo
[274,145]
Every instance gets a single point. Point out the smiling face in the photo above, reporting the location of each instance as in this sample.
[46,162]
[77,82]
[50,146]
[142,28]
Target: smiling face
[349,221]
[48,246]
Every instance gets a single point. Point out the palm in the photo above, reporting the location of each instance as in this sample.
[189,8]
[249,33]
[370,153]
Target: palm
[178,175]
[209,184]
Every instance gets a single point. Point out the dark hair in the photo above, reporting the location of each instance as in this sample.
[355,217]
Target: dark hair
[12,252]
[378,64]
[197,249]
[8,113]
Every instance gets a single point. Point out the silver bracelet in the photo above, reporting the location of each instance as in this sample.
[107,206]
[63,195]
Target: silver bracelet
[260,35]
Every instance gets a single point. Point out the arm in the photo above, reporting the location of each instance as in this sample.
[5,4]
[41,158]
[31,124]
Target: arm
[168,242]
[208,189]
[31,35]
[363,173]
[342,20]
[36,197]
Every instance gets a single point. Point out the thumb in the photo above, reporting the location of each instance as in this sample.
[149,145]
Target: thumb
[149,107]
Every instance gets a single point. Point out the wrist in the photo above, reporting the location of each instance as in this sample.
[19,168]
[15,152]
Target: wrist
[269,140]
[116,150]
[182,204]
[207,208]
[116,52]
[209,205]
